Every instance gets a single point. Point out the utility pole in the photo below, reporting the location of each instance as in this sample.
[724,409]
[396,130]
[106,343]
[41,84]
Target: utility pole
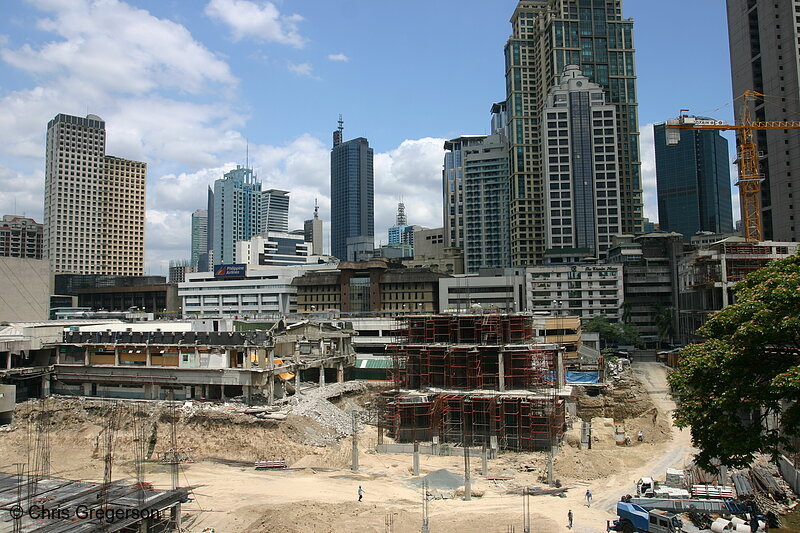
[425,525]
[355,443]
[467,485]
[526,511]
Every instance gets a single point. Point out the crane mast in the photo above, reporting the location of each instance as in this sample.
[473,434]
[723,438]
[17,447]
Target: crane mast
[750,176]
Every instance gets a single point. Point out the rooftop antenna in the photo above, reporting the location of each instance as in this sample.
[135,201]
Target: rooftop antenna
[247,153]
[316,209]
[341,124]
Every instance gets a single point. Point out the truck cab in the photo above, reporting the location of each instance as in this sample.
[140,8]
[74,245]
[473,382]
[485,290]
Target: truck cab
[646,487]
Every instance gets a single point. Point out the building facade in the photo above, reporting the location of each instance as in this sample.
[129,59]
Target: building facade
[241,209]
[276,248]
[369,288]
[352,198]
[254,291]
[496,289]
[693,179]
[21,237]
[199,236]
[650,276]
[401,232]
[764,47]
[548,35]
[585,290]
[582,185]
[93,203]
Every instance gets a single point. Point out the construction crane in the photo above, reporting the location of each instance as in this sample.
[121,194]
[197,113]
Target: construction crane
[750,177]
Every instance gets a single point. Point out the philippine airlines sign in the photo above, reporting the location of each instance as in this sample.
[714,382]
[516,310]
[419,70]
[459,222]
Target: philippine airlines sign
[229,271]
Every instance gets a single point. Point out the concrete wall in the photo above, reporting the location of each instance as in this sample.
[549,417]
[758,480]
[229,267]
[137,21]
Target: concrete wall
[789,473]
[26,289]
[8,399]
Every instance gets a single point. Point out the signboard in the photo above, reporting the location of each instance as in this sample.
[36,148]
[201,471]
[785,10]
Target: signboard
[229,271]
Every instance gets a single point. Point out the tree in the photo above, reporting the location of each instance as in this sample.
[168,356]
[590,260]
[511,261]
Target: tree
[612,332]
[664,321]
[738,390]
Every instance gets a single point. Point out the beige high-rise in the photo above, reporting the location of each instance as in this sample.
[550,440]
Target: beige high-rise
[93,203]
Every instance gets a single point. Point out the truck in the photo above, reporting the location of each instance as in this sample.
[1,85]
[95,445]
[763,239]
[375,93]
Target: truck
[635,519]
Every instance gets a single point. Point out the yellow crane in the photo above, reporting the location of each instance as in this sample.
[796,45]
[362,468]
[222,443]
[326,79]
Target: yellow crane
[750,177]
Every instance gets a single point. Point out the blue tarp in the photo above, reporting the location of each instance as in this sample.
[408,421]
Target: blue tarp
[573,376]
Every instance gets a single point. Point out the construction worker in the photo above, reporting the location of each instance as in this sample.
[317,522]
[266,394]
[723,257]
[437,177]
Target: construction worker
[640,436]
[569,519]
[588,498]
[360,492]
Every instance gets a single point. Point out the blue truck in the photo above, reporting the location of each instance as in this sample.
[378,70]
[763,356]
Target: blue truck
[635,519]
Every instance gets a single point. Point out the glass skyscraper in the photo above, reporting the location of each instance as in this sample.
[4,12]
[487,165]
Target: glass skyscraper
[694,183]
[199,235]
[240,210]
[548,35]
[352,198]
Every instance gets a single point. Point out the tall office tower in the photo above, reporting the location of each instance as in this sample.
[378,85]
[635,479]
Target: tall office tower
[274,211]
[582,184]
[771,27]
[199,235]
[240,209]
[694,183]
[547,36]
[352,198]
[312,231]
[401,232]
[93,203]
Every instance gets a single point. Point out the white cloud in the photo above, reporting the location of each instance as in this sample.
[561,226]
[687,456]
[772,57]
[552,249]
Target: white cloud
[111,46]
[648,171]
[338,57]
[22,194]
[302,69]
[257,20]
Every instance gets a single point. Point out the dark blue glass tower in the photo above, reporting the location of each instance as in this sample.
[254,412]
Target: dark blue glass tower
[352,198]
[694,183]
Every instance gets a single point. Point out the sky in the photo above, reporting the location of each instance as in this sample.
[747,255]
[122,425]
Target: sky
[194,88]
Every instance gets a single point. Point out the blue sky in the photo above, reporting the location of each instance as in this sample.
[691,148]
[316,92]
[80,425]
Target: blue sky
[185,86]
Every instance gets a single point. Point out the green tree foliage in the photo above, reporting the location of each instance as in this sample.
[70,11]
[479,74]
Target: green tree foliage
[612,332]
[738,390]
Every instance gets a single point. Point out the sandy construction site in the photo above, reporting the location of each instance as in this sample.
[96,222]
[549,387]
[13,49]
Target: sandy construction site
[319,492]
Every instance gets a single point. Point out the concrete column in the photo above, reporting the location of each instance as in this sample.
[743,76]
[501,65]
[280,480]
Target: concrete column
[247,391]
[321,375]
[149,357]
[467,484]
[87,389]
[116,356]
[501,370]
[144,525]
[58,357]
[222,392]
[87,361]
[205,391]
[484,461]
[560,374]
[270,388]
[248,354]
[415,464]
[175,516]
[340,372]
[45,386]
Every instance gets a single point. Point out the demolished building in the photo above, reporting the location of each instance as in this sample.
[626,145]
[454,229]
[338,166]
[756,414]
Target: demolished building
[476,379]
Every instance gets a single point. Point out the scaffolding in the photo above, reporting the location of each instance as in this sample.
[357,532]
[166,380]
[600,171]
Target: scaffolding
[469,379]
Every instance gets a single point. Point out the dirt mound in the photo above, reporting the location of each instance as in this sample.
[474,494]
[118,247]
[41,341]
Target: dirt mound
[623,399]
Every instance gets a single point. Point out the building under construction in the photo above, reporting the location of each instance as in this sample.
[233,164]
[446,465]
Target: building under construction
[476,379]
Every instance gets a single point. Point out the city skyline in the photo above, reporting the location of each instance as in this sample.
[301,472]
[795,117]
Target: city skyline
[191,134]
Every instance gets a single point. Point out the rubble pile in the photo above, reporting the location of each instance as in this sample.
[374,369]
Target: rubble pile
[315,404]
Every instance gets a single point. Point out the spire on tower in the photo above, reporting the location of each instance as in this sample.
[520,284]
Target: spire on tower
[316,209]
[401,214]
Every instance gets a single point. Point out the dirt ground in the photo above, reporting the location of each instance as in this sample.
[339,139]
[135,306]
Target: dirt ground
[319,492]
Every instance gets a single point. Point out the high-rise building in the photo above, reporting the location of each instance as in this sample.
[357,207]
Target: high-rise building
[199,235]
[581,183]
[352,198]
[475,187]
[93,203]
[694,182]
[764,38]
[21,237]
[312,231]
[401,232]
[240,209]
[547,36]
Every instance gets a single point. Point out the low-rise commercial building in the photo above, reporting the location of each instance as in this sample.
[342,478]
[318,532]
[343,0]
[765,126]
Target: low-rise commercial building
[583,290]
[243,290]
[495,289]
